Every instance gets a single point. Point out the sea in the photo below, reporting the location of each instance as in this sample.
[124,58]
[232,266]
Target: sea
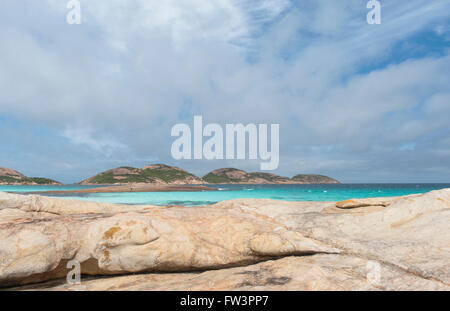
[310,192]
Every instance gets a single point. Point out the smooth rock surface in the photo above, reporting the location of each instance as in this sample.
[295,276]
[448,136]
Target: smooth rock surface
[318,272]
[387,243]
[36,247]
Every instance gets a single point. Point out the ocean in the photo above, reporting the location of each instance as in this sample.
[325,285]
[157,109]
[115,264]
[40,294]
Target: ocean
[322,192]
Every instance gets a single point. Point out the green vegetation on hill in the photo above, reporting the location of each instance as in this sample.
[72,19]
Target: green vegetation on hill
[268,177]
[8,179]
[42,181]
[214,179]
[168,174]
[27,180]
[232,175]
[221,177]
[314,179]
[151,174]
[111,178]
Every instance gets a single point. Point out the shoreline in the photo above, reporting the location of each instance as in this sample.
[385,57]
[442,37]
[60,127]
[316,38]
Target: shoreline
[200,195]
[132,188]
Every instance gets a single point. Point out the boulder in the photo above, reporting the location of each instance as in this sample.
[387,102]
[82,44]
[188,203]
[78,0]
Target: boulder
[108,239]
[399,243]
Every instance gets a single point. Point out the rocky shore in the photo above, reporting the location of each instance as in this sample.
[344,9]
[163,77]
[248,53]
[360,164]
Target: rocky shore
[400,243]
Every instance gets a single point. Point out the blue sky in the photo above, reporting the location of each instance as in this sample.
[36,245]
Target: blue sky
[358,102]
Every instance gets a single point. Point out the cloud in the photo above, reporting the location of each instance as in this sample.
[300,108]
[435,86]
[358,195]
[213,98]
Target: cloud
[116,84]
[83,137]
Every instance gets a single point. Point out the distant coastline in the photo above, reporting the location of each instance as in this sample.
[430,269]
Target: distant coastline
[161,174]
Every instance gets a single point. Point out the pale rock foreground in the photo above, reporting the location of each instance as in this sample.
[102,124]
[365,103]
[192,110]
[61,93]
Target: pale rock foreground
[391,243]
[39,235]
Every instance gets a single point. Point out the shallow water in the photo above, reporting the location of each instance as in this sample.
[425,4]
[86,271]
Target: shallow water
[333,192]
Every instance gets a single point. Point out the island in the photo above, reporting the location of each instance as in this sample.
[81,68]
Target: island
[151,174]
[158,177]
[236,176]
[12,177]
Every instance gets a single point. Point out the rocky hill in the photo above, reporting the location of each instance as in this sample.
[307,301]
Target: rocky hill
[151,174]
[12,177]
[314,179]
[235,176]
[165,174]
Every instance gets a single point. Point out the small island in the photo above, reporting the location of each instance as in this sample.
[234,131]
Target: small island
[235,176]
[151,174]
[11,177]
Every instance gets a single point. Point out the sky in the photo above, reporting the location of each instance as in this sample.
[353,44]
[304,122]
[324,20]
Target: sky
[357,102]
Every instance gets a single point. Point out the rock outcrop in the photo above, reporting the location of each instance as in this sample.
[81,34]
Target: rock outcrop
[386,243]
[12,177]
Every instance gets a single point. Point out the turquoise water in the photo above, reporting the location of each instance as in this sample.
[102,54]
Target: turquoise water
[43,188]
[333,192]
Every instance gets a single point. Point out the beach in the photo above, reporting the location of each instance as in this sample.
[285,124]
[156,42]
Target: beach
[129,189]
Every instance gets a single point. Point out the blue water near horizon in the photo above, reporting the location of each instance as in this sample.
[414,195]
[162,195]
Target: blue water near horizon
[311,192]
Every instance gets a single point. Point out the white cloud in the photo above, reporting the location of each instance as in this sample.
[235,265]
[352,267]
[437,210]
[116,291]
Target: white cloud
[134,68]
[83,137]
